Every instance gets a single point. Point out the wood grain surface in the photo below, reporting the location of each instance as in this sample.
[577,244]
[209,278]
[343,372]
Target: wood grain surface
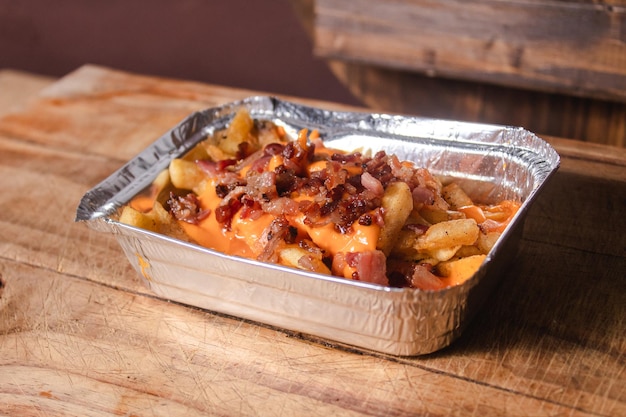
[81,335]
[557,68]
[572,47]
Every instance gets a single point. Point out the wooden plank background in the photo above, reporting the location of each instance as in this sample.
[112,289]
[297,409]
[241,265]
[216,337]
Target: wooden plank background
[573,47]
[557,68]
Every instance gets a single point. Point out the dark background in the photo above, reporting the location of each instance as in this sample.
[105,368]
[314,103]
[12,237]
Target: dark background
[256,44]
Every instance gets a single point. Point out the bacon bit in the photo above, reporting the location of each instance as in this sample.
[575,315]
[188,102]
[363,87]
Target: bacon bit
[214,169]
[210,167]
[346,158]
[402,172]
[227,183]
[333,175]
[186,208]
[370,266]
[296,156]
[286,181]
[226,210]
[274,236]
[243,150]
[262,187]
[281,205]
[400,272]
[489,226]
[372,184]
[260,164]
[378,217]
[424,279]
[408,274]
[379,168]
[306,262]
[311,247]
[366,220]
[272,149]
[422,196]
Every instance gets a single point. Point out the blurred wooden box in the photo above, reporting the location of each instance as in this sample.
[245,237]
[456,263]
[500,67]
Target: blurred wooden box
[575,48]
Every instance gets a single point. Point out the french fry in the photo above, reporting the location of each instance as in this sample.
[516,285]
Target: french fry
[397,204]
[448,234]
[135,218]
[485,242]
[292,256]
[469,250]
[185,174]
[166,224]
[197,152]
[215,153]
[160,215]
[162,180]
[444,254]
[405,248]
[455,196]
[238,132]
[433,216]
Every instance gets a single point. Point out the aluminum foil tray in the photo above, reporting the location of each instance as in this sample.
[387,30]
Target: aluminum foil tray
[491,162]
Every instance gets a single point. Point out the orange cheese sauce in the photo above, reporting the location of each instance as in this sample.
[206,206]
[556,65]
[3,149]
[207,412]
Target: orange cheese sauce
[240,239]
[244,234]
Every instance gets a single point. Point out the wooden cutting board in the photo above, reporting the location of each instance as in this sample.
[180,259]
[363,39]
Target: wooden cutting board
[81,335]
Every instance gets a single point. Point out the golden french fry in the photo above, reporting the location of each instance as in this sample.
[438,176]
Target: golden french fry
[404,246]
[166,224]
[185,174]
[486,241]
[468,250]
[197,152]
[270,133]
[162,180]
[447,234]
[292,256]
[214,152]
[397,204]
[160,215]
[455,196]
[433,216]
[444,254]
[135,218]
[238,132]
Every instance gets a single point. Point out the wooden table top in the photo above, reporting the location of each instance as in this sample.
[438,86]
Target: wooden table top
[81,335]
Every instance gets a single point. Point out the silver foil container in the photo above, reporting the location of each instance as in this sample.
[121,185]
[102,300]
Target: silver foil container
[490,162]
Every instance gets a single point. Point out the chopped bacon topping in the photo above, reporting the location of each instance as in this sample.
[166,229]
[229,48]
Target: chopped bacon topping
[186,208]
[275,235]
[290,180]
[370,266]
[409,274]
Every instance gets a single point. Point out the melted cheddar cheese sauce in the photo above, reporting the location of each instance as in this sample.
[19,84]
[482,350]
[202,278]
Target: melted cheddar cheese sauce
[243,236]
